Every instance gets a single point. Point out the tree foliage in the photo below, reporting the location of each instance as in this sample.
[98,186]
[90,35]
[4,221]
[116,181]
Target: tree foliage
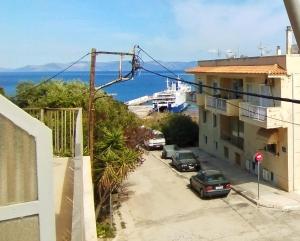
[178,129]
[116,129]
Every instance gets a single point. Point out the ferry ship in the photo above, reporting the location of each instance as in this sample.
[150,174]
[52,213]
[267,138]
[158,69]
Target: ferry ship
[172,99]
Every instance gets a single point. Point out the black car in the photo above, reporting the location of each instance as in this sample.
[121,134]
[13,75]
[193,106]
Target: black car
[185,161]
[210,183]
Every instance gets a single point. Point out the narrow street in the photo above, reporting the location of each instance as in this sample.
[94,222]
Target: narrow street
[161,207]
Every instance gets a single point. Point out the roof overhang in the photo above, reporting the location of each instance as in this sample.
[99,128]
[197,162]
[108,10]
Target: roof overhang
[269,70]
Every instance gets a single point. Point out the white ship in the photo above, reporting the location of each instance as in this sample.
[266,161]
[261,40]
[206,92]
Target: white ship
[173,99]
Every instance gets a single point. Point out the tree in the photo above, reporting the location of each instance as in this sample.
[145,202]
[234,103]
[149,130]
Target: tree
[2,92]
[180,129]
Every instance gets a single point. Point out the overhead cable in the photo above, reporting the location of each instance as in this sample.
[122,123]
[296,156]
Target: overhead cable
[53,76]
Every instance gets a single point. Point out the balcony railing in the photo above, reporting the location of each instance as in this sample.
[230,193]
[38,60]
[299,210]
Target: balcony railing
[254,112]
[234,140]
[228,107]
[266,117]
[216,103]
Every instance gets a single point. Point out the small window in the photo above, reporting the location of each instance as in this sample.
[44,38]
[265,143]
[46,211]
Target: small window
[226,152]
[215,91]
[204,116]
[216,145]
[200,87]
[272,148]
[214,120]
[283,149]
[205,139]
[272,176]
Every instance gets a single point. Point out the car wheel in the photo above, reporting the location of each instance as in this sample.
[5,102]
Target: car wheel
[202,193]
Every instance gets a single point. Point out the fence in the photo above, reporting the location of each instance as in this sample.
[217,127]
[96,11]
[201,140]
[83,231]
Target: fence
[62,122]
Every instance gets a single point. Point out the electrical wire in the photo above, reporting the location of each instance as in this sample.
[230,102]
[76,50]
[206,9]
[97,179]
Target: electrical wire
[170,71]
[295,101]
[253,112]
[200,85]
[53,76]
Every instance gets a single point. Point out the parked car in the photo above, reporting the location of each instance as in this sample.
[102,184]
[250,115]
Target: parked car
[210,183]
[168,151]
[185,160]
[157,141]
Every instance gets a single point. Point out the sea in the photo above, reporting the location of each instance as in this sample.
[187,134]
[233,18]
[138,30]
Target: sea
[144,83]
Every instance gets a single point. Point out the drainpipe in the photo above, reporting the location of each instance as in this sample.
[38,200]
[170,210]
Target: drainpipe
[293,129]
[289,40]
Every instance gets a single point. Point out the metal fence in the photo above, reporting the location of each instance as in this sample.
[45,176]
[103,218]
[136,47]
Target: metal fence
[62,122]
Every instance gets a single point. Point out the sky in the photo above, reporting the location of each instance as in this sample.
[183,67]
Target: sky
[40,31]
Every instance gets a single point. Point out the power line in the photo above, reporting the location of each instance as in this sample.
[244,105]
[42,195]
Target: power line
[295,101]
[192,83]
[170,71]
[53,76]
[253,112]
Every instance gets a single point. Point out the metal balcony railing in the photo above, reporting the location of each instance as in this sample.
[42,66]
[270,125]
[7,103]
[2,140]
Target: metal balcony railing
[216,103]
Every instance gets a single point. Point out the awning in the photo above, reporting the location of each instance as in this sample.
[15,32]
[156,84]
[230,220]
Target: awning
[273,69]
[269,136]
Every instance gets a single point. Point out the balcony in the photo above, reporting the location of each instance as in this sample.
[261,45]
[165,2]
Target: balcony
[228,107]
[234,140]
[266,117]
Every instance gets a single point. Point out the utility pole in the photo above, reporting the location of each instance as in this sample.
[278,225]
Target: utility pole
[91,105]
[93,90]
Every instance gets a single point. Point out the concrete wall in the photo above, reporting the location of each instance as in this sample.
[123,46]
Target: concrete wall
[23,134]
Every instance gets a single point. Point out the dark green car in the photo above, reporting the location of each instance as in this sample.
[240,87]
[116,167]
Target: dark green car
[210,183]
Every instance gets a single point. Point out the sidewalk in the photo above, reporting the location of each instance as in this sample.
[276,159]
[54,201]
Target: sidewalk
[245,184]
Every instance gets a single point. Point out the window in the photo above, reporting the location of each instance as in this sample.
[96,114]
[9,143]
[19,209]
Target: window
[216,145]
[272,176]
[205,139]
[272,148]
[200,88]
[204,116]
[214,120]
[215,91]
[226,152]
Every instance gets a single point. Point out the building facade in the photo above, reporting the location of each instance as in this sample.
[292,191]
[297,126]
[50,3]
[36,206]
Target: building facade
[234,126]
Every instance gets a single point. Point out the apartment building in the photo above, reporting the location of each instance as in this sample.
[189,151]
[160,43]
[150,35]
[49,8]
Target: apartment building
[233,127]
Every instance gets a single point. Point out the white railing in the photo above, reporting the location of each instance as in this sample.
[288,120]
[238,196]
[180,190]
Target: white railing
[216,103]
[254,112]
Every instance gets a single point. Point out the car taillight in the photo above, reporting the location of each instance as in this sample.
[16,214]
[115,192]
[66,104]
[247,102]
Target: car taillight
[208,188]
[228,186]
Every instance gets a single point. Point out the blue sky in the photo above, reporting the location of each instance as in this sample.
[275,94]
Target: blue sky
[40,31]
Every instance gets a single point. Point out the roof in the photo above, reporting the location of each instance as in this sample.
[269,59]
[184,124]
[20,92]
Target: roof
[273,69]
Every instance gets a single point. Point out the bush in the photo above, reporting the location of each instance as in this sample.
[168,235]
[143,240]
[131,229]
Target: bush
[181,130]
[104,230]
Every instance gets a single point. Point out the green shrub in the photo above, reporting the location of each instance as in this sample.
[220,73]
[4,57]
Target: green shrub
[181,130]
[104,230]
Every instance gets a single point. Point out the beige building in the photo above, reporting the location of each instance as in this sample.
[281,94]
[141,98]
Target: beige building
[234,126]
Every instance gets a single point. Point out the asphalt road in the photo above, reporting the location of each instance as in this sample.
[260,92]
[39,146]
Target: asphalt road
[161,207]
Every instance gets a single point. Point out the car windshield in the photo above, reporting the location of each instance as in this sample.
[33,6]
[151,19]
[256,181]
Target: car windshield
[186,155]
[159,136]
[216,178]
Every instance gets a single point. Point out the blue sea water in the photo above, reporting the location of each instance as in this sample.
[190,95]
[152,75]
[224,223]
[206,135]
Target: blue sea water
[143,84]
